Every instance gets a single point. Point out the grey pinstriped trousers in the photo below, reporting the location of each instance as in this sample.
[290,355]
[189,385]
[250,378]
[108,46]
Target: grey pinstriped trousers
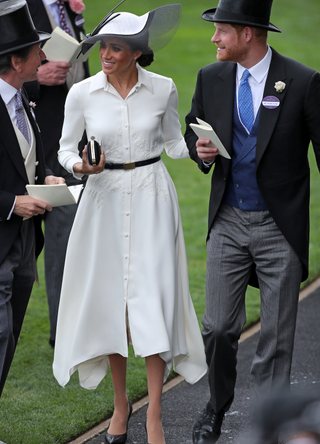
[17,275]
[237,240]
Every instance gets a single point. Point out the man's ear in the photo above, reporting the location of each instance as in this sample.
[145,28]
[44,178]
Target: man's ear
[16,63]
[248,33]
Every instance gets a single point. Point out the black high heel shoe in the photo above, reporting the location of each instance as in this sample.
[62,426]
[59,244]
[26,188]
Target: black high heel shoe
[119,439]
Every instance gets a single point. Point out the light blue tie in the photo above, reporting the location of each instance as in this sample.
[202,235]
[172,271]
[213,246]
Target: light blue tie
[21,118]
[245,103]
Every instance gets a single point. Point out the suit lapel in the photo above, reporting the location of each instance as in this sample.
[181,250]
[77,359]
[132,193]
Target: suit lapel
[269,117]
[10,142]
[223,100]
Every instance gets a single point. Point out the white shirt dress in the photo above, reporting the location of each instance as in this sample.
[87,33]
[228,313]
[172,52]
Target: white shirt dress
[126,264]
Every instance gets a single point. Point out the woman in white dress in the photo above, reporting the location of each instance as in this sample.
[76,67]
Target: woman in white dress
[125,278]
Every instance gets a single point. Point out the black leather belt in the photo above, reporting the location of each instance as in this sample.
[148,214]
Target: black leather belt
[131,165]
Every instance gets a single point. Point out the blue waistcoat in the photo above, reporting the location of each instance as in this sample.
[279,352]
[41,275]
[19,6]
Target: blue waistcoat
[242,189]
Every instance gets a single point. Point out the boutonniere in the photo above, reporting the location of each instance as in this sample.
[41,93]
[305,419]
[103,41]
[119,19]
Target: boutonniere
[76,6]
[32,106]
[279,86]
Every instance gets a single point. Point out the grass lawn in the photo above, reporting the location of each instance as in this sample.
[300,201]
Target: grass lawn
[34,408]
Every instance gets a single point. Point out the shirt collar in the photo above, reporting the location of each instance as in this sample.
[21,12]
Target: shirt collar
[258,71]
[7,91]
[100,80]
[49,2]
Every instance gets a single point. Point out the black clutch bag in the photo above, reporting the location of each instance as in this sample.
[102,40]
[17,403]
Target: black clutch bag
[93,151]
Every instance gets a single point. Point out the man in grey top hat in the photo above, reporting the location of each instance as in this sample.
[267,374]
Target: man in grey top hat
[22,162]
[264,108]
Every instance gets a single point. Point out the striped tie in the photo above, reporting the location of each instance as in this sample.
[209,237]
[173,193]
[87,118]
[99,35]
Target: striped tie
[21,118]
[63,17]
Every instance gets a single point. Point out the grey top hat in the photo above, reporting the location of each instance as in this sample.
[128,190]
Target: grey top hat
[17,28]
[255,13]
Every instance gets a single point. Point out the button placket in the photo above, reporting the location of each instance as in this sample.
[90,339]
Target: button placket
[127,197]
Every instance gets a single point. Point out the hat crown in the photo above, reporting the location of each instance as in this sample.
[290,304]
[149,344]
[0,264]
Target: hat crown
[250,8]
[255,13]
[17,28]
[124,23]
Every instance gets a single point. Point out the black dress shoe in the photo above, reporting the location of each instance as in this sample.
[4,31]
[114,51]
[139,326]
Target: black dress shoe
[119,439]
[207,429]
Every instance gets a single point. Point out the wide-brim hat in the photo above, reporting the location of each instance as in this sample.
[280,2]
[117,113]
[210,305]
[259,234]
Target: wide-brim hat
[151,31]
[17,29]
[254,13]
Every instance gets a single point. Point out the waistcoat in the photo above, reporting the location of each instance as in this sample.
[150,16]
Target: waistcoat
[242,189]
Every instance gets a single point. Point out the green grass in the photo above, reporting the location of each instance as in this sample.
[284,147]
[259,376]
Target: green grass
[34,408]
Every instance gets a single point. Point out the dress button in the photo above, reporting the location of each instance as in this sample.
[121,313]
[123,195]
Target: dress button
[241,201]
[257,203]
[237,185]
[127,214]
[128,192]
[235,171]
[37,163]
[126,235]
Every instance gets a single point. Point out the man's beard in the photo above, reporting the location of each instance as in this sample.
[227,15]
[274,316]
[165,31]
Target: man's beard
[233,53]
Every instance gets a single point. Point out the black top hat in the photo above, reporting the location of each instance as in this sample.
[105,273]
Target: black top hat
[17,28]
[255,13]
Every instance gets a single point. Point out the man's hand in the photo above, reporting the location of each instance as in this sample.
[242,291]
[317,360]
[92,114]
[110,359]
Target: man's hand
[53,180]
[86,168]
[53,73]
[206,153]
[27,207]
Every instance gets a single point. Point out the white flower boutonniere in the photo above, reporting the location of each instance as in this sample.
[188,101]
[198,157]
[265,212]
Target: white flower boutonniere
[32,106]
[279,86]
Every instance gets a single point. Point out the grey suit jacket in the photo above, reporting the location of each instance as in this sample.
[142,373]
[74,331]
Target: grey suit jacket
[13,179]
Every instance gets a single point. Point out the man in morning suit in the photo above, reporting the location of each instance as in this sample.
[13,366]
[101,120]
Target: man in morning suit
[265,108]
[21,163]
[49,92]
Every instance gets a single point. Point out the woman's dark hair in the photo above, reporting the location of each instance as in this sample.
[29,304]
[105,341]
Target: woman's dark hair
[147,56]
[5,60]
[146,59]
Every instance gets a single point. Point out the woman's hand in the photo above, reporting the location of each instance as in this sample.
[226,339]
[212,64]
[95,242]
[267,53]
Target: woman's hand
[84,167]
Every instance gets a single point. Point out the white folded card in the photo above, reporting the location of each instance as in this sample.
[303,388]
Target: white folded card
[62,47]
[55,195]
[206,131]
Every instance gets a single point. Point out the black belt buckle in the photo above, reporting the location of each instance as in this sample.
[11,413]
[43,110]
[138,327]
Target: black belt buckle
[129,166]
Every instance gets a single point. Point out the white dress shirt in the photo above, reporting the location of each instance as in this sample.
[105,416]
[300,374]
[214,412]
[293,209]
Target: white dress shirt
[257,80]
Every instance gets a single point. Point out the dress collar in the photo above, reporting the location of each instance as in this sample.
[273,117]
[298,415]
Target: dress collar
[100,81]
